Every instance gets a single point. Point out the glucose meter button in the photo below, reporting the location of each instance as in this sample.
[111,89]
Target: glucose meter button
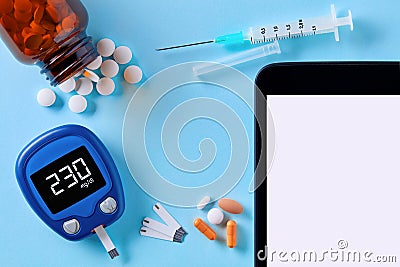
[109,205]
[71,227]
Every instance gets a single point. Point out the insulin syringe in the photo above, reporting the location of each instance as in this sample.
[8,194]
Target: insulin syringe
[270,33]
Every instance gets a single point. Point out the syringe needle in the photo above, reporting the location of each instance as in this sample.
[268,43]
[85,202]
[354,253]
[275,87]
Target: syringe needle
[185,45]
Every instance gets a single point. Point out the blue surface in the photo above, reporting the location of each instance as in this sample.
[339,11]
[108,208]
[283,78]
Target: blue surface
[144,26]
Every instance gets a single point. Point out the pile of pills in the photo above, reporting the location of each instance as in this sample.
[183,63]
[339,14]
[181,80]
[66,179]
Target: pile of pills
[216,216]
[107,66]
[35,25]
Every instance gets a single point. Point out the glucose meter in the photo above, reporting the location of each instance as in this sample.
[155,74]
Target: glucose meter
[70,180]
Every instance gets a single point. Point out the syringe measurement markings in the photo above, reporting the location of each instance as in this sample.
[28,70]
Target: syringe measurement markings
[279,38]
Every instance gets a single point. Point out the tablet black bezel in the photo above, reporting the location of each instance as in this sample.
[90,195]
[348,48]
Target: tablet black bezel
[312,78]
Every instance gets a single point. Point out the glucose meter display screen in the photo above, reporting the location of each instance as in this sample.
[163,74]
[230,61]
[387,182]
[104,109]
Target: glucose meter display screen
[68,179]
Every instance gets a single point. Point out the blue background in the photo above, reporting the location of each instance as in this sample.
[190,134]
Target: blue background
[144,26]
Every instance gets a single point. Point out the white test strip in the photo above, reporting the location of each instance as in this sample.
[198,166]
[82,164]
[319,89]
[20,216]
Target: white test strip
[159,227]
[145,231]
[167,218]
[106,241]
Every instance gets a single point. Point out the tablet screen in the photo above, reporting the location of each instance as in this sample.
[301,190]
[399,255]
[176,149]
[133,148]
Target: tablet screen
[334,180]
[334,177]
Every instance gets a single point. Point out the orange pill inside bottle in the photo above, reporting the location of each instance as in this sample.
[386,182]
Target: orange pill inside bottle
[48,33]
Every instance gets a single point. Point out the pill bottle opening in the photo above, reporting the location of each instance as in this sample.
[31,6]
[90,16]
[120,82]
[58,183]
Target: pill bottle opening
[68,58]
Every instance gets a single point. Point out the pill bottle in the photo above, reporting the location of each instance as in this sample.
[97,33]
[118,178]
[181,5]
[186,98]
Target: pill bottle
[48,33]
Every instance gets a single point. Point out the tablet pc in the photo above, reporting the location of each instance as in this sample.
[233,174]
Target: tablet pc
[307,101]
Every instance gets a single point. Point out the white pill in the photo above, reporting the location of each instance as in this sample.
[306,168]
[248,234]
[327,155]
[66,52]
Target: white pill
[46,97]
[91,75]
[77,104]
[122,55]
[105,47]
[84,86]
[105,86]
[109,68]
[203,202]
[68,85]
[215,216]
[95,63]
[133,74]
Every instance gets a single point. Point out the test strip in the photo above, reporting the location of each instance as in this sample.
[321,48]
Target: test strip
[167,218]
[145,231]
[159,227]
[106,241]
[164,229]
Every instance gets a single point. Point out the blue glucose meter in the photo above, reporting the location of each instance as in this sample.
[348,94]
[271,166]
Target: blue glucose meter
[70,180]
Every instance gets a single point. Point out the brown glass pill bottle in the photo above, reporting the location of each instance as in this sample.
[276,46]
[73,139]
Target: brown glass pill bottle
[48,33]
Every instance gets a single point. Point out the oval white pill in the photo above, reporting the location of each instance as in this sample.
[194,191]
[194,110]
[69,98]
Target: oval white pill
[109,68]
[46,97]
[84,86]
[68,85]
[133,74]
[215,216]
[91,75]
[105,47]
[77,104]
[203,202]
[122,55]
[95,63]
[105,86]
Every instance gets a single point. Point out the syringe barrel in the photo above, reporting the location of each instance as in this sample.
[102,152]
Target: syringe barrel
[299,28]
[238,58]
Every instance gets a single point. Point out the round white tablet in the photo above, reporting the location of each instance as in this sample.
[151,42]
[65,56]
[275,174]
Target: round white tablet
[46,97]
[133,74]
[68,85]
[105,86]
[109,68]
[122,55]
[77,104]
[95,63]
[215,216]
[105,47]
[84,86]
